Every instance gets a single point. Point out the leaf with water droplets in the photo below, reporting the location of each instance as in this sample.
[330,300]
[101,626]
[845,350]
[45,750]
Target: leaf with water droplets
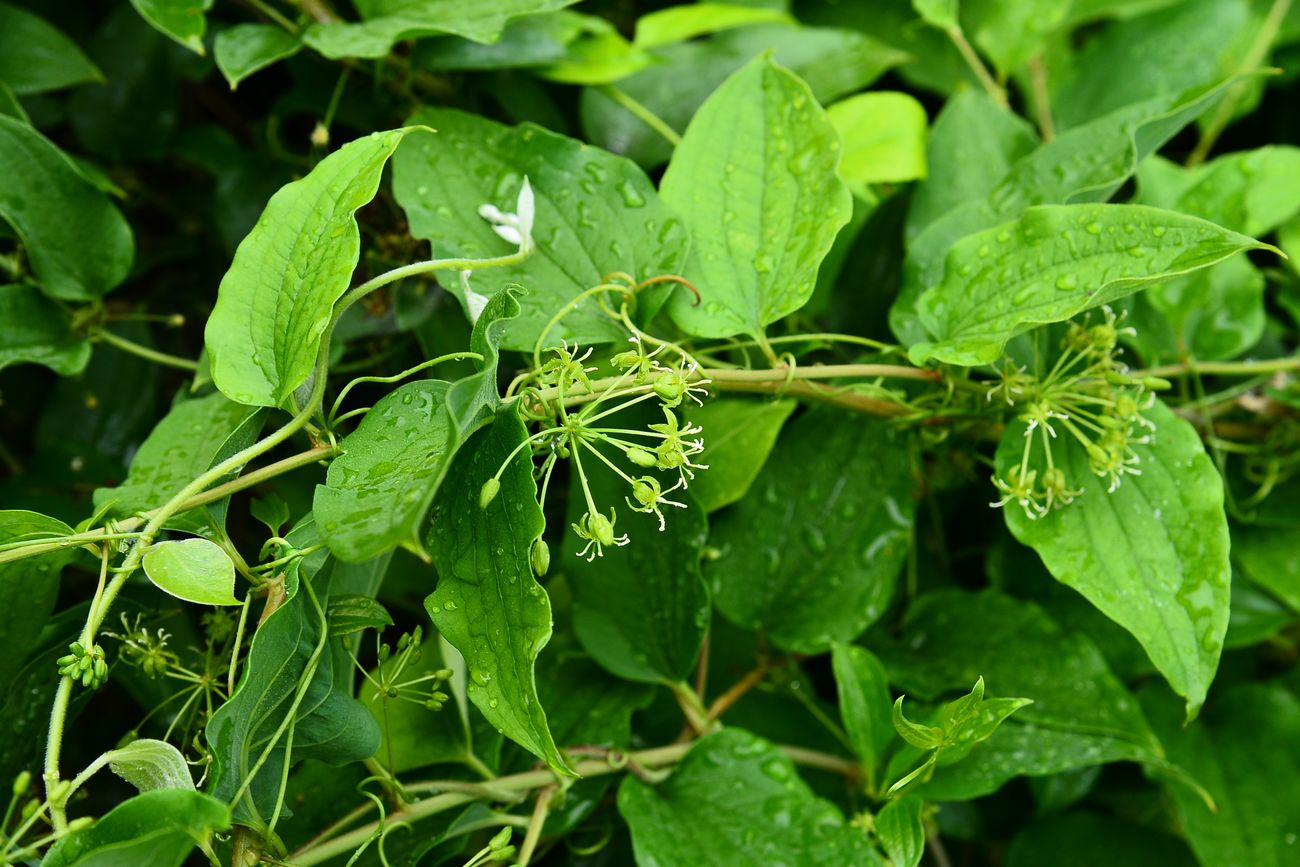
[276,301]
[863,690]
[28,587]
[194,570]
[1152,555]
[812,553]
[738,436]
[596,214]
[1055,262]
[488,605]
[755,178]
[736,799]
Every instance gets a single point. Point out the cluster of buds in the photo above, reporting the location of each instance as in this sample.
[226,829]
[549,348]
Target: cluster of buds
[84,663]
[1088,400]
[387,678]
[669,446]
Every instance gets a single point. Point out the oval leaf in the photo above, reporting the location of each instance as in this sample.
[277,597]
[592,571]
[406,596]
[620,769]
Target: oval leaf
[158,828]
[246,48]
[278,296]
[36,330]
[194,570]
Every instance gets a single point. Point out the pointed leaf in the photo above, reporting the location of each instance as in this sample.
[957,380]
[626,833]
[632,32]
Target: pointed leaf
[247,48]
[680,23]
[194,570]
[863,690]
[150,764]
[181,20]
[922,737]
[488,605]
[36,330]
[158,828]
[755,179]
[36,57]
[352,613]
[278,296]
[901,833]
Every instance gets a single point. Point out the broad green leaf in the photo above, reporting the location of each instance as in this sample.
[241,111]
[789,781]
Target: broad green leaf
[28,587]
[181,20]
[1186,45]
[738,436]
[584,703]
[597,55]
[488,604]
[1244,752]
[865,708]
[153,829]
[10,106]
[883,135]
[901,833]
[1152,555]
[194,570]
[754,178]
[811,555]
[277,299]
[77,243]
[1252,191]
[1256,616]
[36,57]
[1215,313]
[768,815]
[377,493]
[353,613]
[289,670]
[1053,263]
[526,42]
[1086,839]
[147,764]
[641,610]
[36,330]
[832,61]
[1267,555]
[937,13]
[596,214]
[247,48]
[387,22]
[680,23]
[1012,33]
[190,438]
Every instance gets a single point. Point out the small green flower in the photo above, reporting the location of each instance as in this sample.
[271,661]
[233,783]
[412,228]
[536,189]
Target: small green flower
[598,531]
[649,497]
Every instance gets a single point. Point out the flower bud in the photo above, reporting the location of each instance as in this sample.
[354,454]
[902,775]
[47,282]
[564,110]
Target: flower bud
[21,783]
[540,557]
[641,457]
[491,488]
[1156,383]
[500,839]
[601,528]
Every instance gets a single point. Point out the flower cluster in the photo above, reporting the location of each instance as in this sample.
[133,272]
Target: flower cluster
[387,676]
[1089,397]
[574,434]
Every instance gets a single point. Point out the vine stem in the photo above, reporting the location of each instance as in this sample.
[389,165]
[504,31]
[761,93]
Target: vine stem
[534,833]
[145,352]
[1223,368]
[977,66]
[642,113]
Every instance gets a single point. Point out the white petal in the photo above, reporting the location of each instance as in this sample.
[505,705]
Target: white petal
[491,213]
[525,208]
[474,302]
[509,233]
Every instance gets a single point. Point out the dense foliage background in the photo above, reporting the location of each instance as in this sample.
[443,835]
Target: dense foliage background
[912,247]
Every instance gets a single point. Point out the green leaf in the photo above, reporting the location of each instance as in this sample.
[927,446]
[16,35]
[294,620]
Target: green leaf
[353,613]
[192,437]
[147,764]
[597,55]
[271,510]
[36,57]
[922,737]
[768,816]
[596,214]
[755,179]
[1244,753]
[680,23]
[585,704]
[1267,556]
[36,330]
[901,833]
[77,243]
[390,21]
[641,610]
[377,493]
[181,20]
[288,673]
[883,133]
[277,299]
[738,436]
[1152,555]
[194,570]
[1053,263]
[863,691]
[28,587]
[1215,313]
[937,13]
[153,829]
[1086,839]
[487,604]
[1012,33]
[247,48]
[811,555]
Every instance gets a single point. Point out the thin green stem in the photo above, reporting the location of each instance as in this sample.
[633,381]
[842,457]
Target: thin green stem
[145,352]
[986,79]
[451,356]
[643,114]
[1222,368]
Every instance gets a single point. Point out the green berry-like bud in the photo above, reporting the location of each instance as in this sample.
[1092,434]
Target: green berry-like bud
[443,674]
[384,652]
[1156,383]
[21,783]
[670,388]
[491,488]
[501,839]
[439,697]
[391,692]
[641,457]
[80,823]
[540,557]
[433,705]
[601,528]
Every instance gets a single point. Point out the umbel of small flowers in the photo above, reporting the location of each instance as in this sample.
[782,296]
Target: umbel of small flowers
[1089,397]
[582,434]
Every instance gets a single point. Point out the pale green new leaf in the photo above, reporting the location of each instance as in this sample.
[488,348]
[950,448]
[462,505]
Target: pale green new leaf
[1053,263]
[863,690]
[194,570]
[738,436]
[36,330]
[901,832]
[595,214]
[153,829]
[181,20]
[36,57]
[755,179]
[1152,555]
[77,243]
[769,815]
[276,301]
[811,555]
[679,23]
[247,48]
[488,605]
[883,134]
[598,55]
[147,764]
[386,22]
